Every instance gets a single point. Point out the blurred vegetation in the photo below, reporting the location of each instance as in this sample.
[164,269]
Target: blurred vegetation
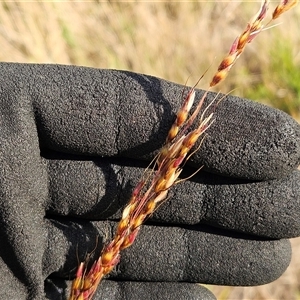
[278,84]
[172,40]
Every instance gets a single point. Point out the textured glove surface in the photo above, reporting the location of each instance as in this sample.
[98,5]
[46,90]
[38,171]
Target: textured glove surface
[74,142]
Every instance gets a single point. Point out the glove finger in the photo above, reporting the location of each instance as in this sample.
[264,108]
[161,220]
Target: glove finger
[23,190]
[249,140]
[95,190]
[58,289]
[108,113]
[170,254]
[269,208]
[99,190]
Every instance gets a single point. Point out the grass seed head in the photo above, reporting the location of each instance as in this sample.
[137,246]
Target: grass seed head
[154,189]
[173,132]
[284,6]
[161,196]
[107,258]
[219,76]
[130,238]
[122,226]
[138,221]
[150,207]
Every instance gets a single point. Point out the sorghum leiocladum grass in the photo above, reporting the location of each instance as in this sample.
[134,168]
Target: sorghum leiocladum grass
[152,190]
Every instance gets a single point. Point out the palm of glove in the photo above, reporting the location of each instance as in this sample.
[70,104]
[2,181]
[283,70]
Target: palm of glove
[74,141]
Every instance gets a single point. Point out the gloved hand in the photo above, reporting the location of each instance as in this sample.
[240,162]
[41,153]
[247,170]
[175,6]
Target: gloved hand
[74,142]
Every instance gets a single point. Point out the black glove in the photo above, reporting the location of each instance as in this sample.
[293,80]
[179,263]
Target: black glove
[74,142]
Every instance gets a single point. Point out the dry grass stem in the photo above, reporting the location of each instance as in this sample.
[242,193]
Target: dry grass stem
[152,190]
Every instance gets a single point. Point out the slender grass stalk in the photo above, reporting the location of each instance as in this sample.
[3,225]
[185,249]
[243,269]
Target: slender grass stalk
[152,190]
[254,27]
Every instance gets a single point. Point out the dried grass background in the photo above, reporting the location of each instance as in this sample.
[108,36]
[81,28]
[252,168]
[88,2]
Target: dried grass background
[171,40]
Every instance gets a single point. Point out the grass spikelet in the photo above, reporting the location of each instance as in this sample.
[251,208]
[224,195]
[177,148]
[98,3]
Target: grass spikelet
[284,6]
[152,190]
